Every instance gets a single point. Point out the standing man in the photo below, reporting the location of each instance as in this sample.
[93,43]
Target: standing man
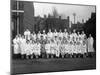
[44,35]
[65,34]
[33,36]
[39,36]
[74,35]
[60,35]
[55,34]
[83,36]
[49,35]
[42,41]
[27,34]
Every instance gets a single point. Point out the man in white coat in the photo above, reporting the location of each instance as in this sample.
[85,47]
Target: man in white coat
[27,34]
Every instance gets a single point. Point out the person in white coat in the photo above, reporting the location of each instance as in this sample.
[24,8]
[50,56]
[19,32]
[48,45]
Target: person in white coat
[44,35]
[23,42]
[65,34]
[19,39]
[28,49]
[52,50]
[55,33]
[49,35]
[47,48]
[39,35]
[90,45]
[38,49]
[27,34]
[74,35]
[57,50]
[15,47]
[83,36]
[60,35]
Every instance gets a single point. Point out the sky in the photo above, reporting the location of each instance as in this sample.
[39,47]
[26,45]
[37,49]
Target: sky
[82,12]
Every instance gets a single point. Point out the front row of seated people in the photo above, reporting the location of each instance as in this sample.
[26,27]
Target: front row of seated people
[53,44]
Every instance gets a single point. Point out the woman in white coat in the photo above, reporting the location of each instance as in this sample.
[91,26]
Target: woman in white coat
[90,45]
[22,45]
[16,47]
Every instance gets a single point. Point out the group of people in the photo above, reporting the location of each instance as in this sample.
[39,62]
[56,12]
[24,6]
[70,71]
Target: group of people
[52,44]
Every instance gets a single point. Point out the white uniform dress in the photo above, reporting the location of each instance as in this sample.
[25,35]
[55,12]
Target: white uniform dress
[27,35]
[39,36]
[16,46]
[75,48]
[31,48]
[62,49]
[90,44]
[47,47]
[34,36]
[28,49]
[55,34]
[66,49]
[68,46]
[84,48]
[74,35]
[52,48]
[80,47]
[83,37]
[44,36]
[65,34]
[35,49]
[60,34]
[23,42]
[50,35]
[55,48]
[71,44]
[72,49]
[38,49]
[19,39]
[57,52]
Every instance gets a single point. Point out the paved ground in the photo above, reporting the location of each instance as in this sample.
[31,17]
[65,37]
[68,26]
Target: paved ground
[51,65]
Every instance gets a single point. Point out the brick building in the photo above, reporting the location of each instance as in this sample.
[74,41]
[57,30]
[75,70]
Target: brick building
[22,17]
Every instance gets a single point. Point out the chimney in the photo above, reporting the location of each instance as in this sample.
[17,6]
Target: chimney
[45,16]
[59,17]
